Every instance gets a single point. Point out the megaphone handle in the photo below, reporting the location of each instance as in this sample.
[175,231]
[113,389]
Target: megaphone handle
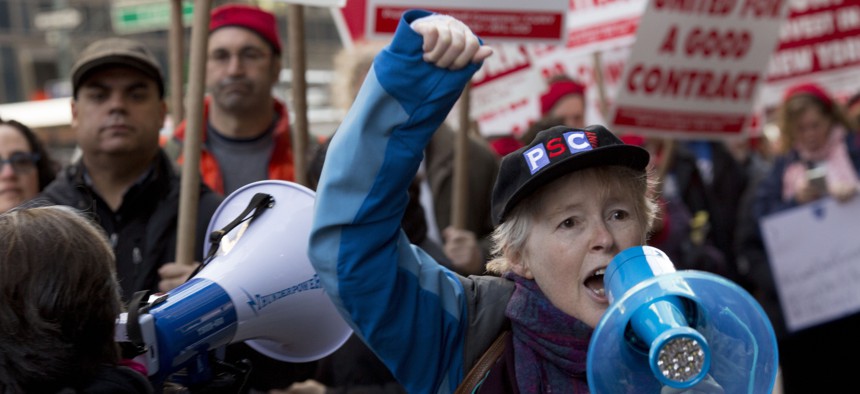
[135,335]
[255,207]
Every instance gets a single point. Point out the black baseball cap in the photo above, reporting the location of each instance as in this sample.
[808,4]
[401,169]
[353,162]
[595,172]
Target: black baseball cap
[554,152]
[120,52]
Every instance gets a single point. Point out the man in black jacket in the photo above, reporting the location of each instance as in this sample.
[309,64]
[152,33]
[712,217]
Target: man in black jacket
[123,179]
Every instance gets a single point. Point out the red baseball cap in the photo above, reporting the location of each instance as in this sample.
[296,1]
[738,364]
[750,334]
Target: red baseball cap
[249,17]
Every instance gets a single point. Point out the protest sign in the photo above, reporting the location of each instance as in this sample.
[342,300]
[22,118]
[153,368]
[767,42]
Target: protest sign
[506,100]
[696,67]
[493,20]
[819,42]
[505,91]
[815,259]
[597,25]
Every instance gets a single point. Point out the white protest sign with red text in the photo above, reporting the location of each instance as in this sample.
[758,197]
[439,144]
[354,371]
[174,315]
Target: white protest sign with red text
[492,20]
[819,42]
[696,67]
[594,25]
[506,91]
[315,3]
[505,100]
[503,89]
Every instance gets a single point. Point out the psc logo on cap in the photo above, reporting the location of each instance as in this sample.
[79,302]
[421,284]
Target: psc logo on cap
[539,156]
[553,153]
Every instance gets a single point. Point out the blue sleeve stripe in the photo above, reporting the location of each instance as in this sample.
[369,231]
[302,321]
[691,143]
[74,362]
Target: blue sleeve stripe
[393,290]
[410,309]
[347,189]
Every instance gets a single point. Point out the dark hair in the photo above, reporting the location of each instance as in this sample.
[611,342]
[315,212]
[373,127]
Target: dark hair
[59,299]
[46,166]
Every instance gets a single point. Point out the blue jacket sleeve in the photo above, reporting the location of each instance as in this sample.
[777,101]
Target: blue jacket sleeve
[410,310]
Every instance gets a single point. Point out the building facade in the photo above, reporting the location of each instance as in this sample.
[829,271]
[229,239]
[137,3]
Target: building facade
[39,39]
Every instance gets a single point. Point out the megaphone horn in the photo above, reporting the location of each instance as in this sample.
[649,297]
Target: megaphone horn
[678,330]
[257,285]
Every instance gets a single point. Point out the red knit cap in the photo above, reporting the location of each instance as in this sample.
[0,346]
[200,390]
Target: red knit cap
[811,89]
[556,91]
[252,18]
[504,145]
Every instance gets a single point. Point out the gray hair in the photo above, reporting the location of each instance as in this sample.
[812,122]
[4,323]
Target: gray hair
[510,237]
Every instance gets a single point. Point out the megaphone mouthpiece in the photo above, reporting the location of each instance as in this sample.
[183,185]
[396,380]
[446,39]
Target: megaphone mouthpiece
[678,329]
[682,359]
[678,354]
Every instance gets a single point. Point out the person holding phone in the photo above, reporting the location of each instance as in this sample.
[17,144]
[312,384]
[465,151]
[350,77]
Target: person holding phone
[819,157]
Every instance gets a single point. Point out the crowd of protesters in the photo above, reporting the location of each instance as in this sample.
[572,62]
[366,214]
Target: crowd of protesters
[703,205]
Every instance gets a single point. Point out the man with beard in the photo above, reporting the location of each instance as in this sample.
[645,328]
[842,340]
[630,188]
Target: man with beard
[247,136]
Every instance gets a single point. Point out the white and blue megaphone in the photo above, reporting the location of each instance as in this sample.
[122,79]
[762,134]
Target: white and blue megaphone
[257,285]
[671,331]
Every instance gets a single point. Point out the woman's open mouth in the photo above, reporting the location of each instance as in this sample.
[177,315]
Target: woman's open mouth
[595,282]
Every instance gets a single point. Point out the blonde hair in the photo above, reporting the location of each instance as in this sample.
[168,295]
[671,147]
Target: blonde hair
[351,66]
[791,110]
[510,237]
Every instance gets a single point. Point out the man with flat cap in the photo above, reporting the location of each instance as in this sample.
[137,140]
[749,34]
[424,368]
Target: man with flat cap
[123,178]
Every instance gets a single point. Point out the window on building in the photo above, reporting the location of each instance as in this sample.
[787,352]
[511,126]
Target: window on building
[9,73]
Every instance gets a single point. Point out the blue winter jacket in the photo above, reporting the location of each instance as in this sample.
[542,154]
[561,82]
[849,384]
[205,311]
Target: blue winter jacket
[417,316]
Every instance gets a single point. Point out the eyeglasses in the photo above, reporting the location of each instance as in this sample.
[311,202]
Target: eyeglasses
[21,162]
[245,56]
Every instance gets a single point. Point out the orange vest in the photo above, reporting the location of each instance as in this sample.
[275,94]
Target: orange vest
[280,166]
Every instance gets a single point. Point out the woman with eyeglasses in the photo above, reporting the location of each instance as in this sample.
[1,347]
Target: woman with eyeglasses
[25,167]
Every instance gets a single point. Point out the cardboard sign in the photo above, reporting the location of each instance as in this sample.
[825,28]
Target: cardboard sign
[316,3]
[506,91]
[600,25]
[696,67]
[505,100]
[814,254]
[820,41]
[503,90]
[492,20]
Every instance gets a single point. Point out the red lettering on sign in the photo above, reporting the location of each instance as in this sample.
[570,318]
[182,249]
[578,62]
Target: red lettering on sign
[552,70]
[692,83]
[710,7]
[729,43]
[612,72]
[761,8]
[485,23]
[668,45]
[686,122]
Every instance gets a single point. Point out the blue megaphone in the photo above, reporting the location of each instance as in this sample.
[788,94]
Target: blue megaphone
[671,331]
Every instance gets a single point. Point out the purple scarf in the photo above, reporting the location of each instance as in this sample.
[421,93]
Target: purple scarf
[550,346]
